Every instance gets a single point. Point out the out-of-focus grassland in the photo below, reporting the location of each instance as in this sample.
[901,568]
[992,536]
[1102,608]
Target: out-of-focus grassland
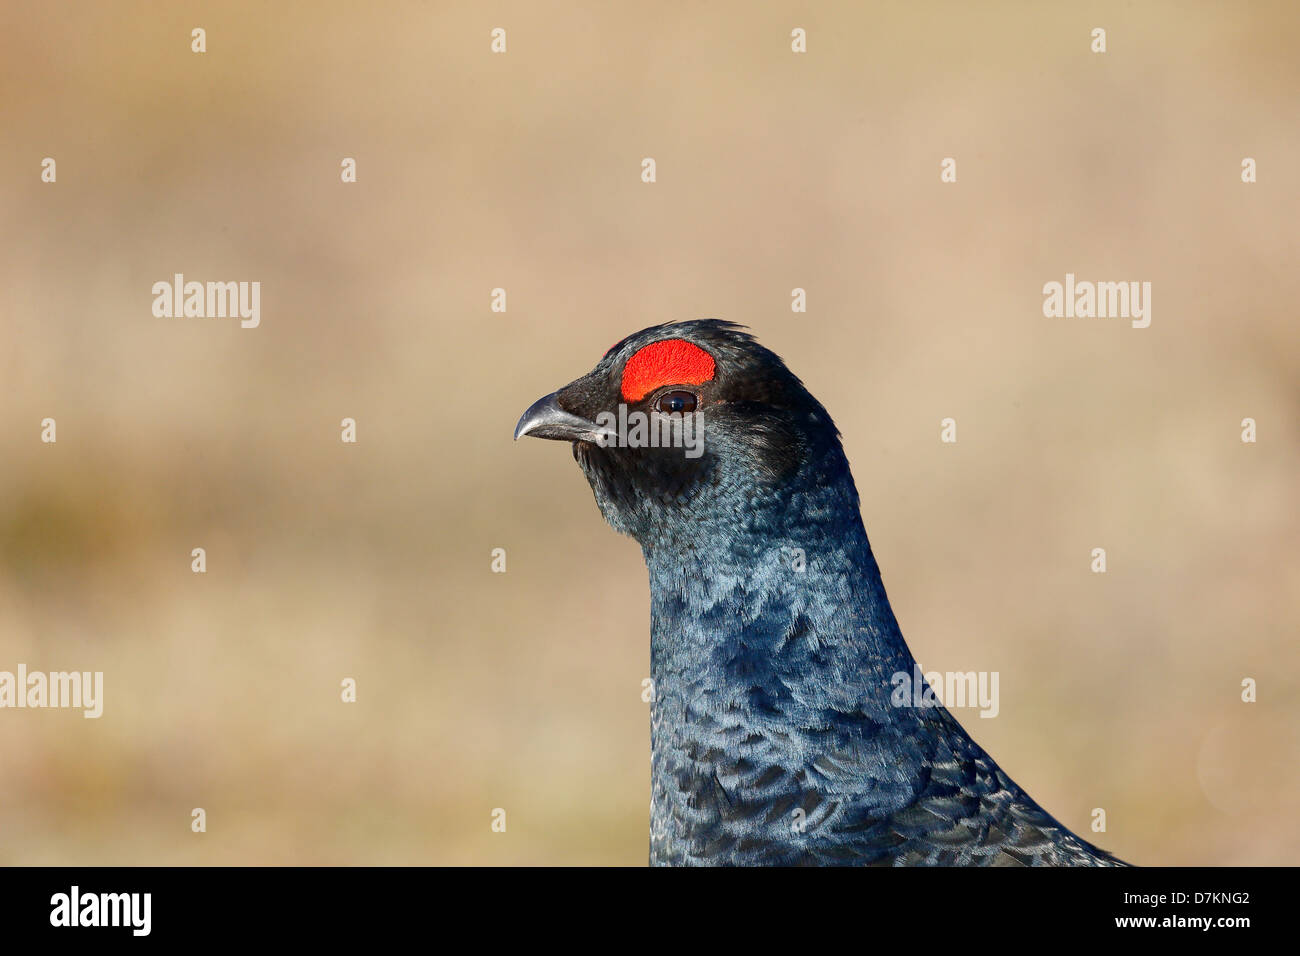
[522,690]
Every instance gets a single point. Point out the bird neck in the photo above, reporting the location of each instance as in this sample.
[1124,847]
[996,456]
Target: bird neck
[774,622]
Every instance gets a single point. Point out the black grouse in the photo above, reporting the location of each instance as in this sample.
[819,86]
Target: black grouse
[778,735]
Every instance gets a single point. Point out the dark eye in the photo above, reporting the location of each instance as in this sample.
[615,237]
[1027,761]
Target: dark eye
[676,402]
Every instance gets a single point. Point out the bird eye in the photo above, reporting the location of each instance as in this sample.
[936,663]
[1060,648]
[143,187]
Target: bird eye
[676,402]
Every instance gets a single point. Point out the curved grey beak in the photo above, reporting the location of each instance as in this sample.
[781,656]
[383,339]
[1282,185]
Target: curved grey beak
[546,419]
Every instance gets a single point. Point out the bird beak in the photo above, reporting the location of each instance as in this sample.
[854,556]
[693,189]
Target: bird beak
[546,419]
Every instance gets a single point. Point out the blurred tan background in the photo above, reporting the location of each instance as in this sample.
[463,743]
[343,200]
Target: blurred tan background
[522,690]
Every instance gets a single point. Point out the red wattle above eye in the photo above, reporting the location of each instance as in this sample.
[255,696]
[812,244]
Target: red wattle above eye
[670,362]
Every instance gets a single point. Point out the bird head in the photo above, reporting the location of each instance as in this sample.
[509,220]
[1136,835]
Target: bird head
[683,426]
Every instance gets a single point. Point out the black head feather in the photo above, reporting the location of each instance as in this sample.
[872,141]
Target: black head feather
[761,427]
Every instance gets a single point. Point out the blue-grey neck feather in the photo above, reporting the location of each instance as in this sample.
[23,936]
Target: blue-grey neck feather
[772,646]
[773,734]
